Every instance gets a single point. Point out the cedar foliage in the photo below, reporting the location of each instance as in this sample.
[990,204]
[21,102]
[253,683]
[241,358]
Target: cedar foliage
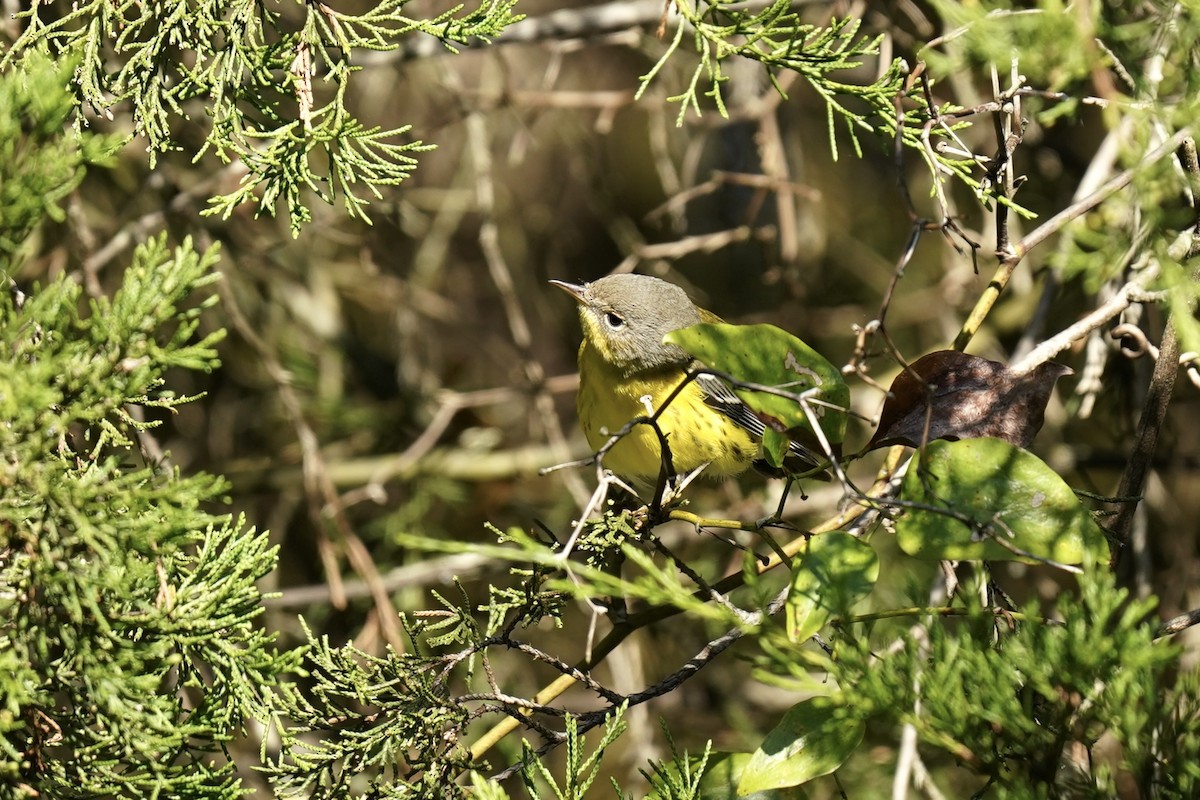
[133,658]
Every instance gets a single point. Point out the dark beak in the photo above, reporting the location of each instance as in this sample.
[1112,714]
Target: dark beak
[575,290]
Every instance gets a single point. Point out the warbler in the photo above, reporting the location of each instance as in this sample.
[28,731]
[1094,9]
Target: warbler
[626,372]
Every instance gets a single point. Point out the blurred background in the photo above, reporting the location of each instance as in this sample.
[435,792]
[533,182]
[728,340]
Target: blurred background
[413,375]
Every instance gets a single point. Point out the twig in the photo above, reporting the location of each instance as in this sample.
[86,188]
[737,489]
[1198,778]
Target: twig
[923,781]
[1006,543]
[450,403]
[506,726]
[1178,624]
[1131,292]
[906,756]
[489,242]
[317,484]
[137,229]
[595,502]
[1154,414]
[1007,126]
[705,588]
[425,573]
[774,162]
[455,463]
[709,652]
[701,243]
[563,667]
[1098,170]
[706,522]
[1010,261]
[703,658]
[640,619]
[721,178]
[941,611]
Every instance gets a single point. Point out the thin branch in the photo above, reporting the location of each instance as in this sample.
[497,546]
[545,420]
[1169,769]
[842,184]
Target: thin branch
[479,142]
[455,463]
[1145,442]
[563,667]
[709,652]
[136,230]
[702,659]
[317,485]
[1132,292]
[702,243]
[1178,624]
[1009,262]
[625,627]
[426,573]
[723,178]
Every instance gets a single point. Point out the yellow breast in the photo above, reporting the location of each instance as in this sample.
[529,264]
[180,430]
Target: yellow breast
[696,433]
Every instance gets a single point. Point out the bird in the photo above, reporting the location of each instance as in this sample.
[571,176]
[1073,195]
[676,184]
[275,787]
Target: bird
[626,371]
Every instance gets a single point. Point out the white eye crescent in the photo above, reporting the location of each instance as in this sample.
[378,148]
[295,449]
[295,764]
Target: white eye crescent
[613,321]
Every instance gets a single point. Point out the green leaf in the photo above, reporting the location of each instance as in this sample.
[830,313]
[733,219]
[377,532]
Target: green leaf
[775,446]
[769,356]
[814,738]
[720,781]
[836,572]
[1001,503]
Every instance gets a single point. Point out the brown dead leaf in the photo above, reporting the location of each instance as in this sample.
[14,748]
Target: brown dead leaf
[961,396]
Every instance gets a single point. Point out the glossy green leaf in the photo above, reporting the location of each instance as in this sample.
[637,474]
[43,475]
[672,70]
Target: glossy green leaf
[814,738]
[720,781]
[770,356]
[775,446]
[1005,504]
[835,572]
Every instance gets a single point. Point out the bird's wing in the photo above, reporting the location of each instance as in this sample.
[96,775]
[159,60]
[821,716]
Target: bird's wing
[719,395]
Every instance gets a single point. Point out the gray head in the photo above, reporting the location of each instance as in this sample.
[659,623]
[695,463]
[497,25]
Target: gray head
[625,317]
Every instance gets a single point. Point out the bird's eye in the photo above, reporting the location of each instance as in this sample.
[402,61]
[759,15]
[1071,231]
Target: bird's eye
[613,321]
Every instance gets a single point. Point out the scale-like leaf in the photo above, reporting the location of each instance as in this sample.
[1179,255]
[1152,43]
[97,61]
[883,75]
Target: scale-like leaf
[1001,504]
